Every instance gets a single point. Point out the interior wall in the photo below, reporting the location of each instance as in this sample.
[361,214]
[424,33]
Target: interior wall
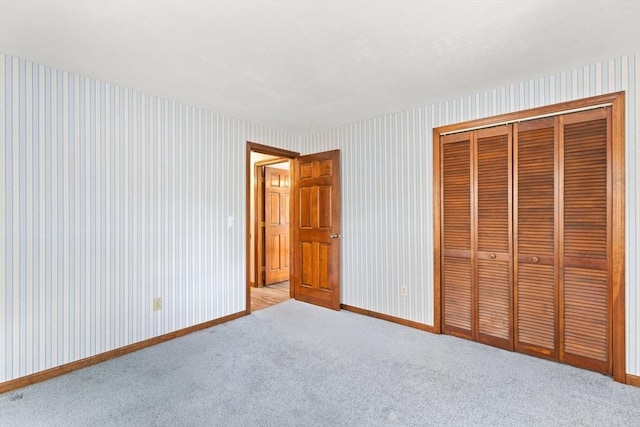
[387,181]
[109,198]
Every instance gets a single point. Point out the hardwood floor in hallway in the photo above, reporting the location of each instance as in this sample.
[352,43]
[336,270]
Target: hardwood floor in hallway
[269,295]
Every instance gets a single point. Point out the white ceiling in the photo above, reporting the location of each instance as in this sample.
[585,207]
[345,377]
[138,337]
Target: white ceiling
[309,65]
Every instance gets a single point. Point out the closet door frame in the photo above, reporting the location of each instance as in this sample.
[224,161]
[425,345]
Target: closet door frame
[617,167]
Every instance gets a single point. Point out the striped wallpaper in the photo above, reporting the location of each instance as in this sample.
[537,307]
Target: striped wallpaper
[387,187]
[108,198]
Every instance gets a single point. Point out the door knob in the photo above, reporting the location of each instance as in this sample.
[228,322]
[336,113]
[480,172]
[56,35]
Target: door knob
[334,235]
[535,259]
[492,256]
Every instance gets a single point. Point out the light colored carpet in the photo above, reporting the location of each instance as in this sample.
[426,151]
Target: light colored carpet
[295,364]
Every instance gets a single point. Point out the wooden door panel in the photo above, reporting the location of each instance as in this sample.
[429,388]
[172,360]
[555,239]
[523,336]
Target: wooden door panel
[493,241]
[457,296]
[285,253]
[585,190]
[308,267]
[456,196]
[493,193]
[585,313]
[274,216]
[535,325]
[456,245]
[324,215]
[316,277]
[306,207]
[535,187]
[494,303]
[325,267]
[276,227]
[273,246]
[536,303]
[585,309]
[286,206]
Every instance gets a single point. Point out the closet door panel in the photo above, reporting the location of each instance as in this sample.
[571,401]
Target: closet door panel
[494,303]
[456,237]
[535,237]
[536,306]
[456,194]
[585,311]
[585,243]
[585,190]
[457,301]
[493,192]
[493,224]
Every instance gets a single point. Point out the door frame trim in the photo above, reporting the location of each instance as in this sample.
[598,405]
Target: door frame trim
[272,151]
[617,264]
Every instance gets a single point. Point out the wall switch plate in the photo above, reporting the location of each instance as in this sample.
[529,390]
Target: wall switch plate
[403,290]
[157,303]
[230,221]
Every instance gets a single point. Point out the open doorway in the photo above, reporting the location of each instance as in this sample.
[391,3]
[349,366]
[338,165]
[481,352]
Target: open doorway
[271,211]
[268,212]
[314,252]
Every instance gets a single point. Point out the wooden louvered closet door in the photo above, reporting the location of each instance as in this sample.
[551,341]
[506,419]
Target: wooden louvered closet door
[535,268]
[585,242]
[562,238]
[526,237]
[476,212]
[492,235]
[456,237]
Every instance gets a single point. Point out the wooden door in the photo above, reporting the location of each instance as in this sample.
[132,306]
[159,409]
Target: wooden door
[535,263]
[563,239]
[585,240]
[457,271]
[476,238]
[276,224]
[525,261]
[316,226]
[564,253]
[492,236]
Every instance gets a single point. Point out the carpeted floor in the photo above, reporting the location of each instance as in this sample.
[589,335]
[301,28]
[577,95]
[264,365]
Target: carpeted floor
[295,364]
